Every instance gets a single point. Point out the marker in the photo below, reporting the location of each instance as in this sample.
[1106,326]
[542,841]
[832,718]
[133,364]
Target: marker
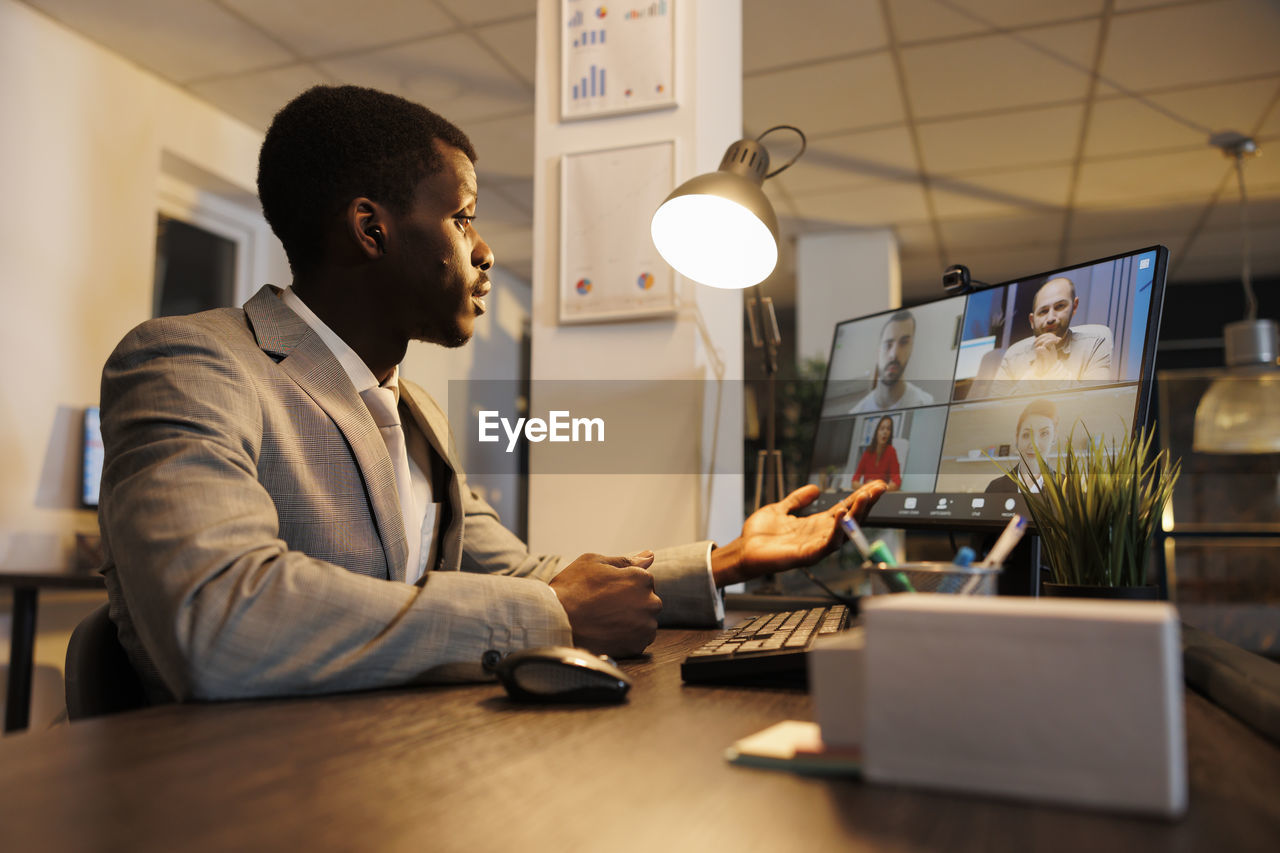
[856,536]
[964,557]
[1008,539]
[877,552]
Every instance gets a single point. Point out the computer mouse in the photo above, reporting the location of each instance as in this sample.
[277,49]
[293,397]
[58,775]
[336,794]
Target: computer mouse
[561,674]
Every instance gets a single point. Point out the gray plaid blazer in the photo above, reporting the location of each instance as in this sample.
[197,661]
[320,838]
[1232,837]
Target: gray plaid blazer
[249,518]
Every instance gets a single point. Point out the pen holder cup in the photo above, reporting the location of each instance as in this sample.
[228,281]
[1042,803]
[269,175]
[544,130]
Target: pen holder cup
[944,578]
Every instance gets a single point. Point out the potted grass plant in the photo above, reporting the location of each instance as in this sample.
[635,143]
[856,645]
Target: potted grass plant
[1096,512]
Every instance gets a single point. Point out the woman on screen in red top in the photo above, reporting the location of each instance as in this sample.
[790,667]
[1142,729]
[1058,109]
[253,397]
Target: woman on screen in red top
[880,461]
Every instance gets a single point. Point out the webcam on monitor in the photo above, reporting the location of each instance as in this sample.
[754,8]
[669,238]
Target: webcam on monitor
[956,280]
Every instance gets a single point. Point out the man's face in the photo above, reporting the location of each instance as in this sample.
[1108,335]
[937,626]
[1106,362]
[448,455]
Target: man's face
[1037,432]
[1053,308]
[895,350]
[441,275]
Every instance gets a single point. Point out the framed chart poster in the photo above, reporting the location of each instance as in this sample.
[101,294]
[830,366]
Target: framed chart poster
[609,268]
[616,58]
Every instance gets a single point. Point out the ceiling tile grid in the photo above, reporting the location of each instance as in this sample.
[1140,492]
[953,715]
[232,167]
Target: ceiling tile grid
[446,73]
[483,11]
[1009,140]
[1193,44]
[853,159]
[255,98]
[771,29]
[1153,225]
[826,97]
[994,103]
[873,205]
[1001,193]
[317,28]
[180,40]
[1142,178]
[1029,229]
[1031,68]
[504,146]
[513,44]
[920,20]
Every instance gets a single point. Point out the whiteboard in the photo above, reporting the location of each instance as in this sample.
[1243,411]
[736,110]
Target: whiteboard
[616,58]
[609,267]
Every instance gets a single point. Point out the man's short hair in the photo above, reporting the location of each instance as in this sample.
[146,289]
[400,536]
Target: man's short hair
[1050,281]
[898,317]
[332,144]
[1044,408]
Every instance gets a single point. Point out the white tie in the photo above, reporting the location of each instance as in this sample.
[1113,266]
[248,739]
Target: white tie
[382,405]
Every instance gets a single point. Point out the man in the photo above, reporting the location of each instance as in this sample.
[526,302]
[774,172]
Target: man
[1055,355]
[283,514]
[1036,431]
[891,391]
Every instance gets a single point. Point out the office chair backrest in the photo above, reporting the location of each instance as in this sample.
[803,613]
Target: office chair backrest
[99,678]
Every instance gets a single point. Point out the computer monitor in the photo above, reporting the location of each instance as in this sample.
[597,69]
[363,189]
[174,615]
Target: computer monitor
[941,399]
[90,458]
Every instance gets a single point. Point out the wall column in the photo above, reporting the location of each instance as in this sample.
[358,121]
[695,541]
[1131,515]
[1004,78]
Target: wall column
[840,276]
[570,513]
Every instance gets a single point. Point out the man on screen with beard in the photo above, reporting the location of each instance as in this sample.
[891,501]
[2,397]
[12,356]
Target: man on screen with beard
[891,390]
[1056,355]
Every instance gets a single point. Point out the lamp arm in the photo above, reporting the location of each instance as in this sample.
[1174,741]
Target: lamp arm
[804,143]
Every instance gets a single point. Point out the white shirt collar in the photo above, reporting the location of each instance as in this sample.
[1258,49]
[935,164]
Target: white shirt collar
[359,373]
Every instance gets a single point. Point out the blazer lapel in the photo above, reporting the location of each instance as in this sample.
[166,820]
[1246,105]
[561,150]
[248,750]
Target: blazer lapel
[314,368]
[435,427]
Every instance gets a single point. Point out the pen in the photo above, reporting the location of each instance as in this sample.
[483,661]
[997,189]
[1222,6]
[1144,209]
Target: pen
[1008,539]
[856,536]
[876,552]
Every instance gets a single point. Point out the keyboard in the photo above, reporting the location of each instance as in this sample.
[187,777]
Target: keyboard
[771,648]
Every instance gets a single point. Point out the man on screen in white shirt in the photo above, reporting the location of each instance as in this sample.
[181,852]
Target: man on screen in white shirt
[891,390]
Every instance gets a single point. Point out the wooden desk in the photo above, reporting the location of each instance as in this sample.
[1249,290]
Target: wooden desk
[22,633]
[445,769]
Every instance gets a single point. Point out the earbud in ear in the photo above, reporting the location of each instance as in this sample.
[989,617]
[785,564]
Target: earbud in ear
[376,233]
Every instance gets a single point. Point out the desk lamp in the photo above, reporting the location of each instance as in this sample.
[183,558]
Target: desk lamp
[719,229]
[1240,413]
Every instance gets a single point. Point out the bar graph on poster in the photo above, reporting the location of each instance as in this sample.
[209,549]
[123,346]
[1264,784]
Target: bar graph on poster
[609,268]
[616,57]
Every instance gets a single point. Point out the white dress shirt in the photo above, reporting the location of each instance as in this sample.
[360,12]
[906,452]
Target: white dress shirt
[426,514]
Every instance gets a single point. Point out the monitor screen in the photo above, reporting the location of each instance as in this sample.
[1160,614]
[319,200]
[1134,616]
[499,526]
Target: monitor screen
[90,458]
[941,400]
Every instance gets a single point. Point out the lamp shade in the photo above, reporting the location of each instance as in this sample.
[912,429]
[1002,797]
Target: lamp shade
[1240,413]
[719,228]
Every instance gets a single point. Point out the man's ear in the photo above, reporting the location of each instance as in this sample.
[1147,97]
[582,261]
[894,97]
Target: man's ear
[366,223]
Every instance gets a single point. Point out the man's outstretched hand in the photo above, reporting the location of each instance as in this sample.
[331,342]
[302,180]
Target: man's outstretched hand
[773,540]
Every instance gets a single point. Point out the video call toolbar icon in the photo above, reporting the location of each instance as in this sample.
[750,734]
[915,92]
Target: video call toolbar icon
[979,503]
[942,503]
[1009,504]
[909,503]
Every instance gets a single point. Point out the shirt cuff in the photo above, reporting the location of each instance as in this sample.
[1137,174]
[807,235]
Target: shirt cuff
[716,599]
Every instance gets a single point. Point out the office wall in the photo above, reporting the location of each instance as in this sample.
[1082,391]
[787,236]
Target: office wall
[80,160]
[87,137]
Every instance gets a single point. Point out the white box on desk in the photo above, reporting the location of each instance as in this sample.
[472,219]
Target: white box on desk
[1069,701]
